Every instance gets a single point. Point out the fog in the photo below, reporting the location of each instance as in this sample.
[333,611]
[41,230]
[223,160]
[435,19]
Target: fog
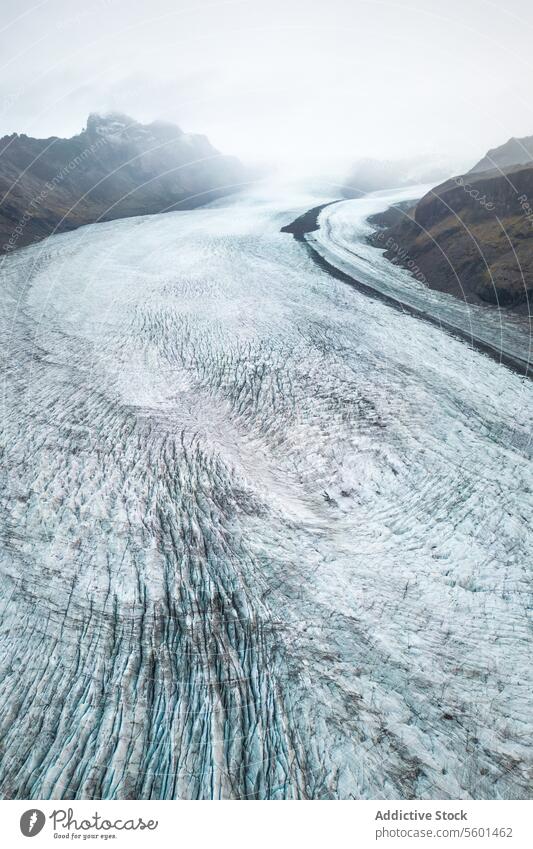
[303,83]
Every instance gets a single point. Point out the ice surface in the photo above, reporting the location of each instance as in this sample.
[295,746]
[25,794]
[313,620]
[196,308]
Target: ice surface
[262,536]
[341,239]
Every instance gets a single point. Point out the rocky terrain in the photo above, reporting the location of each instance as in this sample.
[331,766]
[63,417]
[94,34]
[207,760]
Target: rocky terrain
[513,152]
[114,168]
[471,236]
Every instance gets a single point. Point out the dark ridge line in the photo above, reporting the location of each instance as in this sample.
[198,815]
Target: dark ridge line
[308,223]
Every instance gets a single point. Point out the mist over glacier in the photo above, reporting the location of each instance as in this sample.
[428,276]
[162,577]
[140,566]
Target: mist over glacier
[262,536]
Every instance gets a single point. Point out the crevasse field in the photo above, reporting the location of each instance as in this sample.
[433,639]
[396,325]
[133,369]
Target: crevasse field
[262,536]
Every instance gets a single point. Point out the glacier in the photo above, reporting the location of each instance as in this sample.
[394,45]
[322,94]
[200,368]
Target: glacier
[262,536]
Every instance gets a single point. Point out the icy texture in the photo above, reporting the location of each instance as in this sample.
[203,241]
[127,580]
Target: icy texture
[341,239]
[262,536]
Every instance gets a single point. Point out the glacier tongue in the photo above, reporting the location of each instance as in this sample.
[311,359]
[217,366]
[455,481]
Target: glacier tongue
[262,536]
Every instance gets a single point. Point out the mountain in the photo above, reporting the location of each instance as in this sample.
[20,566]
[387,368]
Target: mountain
[513,152]
[115,168]
[471,236]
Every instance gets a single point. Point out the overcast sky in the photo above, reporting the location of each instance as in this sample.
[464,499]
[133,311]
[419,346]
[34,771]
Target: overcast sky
[300,80]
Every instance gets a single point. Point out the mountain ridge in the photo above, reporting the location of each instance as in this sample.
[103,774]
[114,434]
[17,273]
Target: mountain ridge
[471,236]
[515,151]
[114,168]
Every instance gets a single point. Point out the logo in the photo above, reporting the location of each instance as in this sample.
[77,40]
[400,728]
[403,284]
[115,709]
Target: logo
[32,822]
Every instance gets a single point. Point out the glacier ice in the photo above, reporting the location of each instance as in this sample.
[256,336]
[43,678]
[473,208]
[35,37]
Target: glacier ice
[262,536]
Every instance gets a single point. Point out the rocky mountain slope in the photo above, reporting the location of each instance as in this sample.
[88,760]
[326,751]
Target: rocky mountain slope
[471,236]
[115,168]
[513,152]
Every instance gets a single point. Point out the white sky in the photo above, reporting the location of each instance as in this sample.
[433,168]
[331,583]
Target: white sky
[299,80]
